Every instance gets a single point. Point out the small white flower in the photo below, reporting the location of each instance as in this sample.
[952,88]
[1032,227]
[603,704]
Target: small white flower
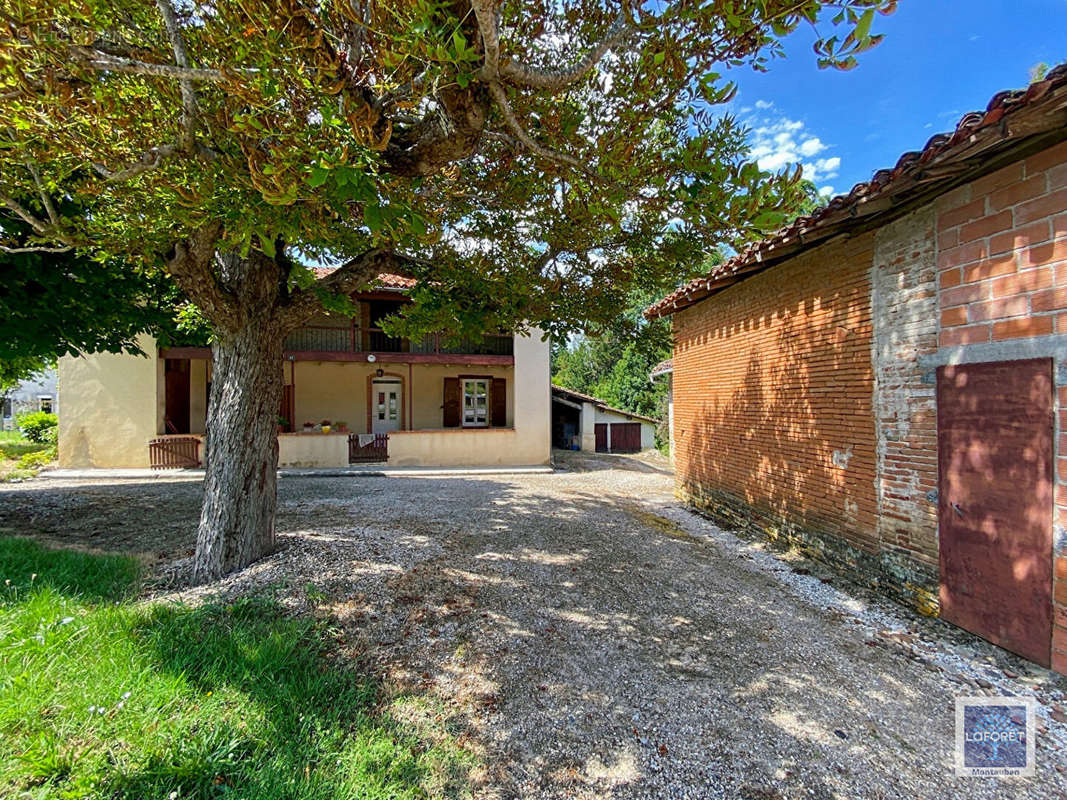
[66,620]
[92,709]
[126,696]
[101,710]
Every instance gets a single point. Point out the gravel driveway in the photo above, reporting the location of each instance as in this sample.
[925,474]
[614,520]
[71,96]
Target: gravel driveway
[590,638]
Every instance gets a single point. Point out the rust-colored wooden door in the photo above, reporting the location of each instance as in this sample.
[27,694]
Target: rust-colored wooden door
[176,400]
[995,502]
[625,437]
[600,437]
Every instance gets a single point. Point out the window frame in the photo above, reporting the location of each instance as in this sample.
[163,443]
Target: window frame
[42,398]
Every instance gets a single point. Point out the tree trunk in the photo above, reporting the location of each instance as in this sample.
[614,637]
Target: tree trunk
[251,307]
[241,444]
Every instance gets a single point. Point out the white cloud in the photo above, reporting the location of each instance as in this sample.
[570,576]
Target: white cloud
[778,142]
[827,191]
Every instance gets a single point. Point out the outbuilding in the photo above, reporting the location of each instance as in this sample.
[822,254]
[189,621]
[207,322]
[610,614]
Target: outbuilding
[883,383]
[583,422]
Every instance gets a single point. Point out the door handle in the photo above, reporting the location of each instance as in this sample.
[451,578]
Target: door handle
[957,509]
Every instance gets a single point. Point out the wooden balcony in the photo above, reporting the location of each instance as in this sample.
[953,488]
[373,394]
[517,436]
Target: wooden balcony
[326,343]
[354,343]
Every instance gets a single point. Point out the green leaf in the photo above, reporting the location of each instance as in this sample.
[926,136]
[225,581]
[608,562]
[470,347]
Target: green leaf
[318,177]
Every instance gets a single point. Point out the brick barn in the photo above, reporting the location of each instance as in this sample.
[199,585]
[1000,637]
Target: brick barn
[884,383]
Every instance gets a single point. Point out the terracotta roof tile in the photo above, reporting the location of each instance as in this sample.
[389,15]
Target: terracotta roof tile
[976,134]
[662,368]
[385,280]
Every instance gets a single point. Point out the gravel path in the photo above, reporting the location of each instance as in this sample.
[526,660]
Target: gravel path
[590,638]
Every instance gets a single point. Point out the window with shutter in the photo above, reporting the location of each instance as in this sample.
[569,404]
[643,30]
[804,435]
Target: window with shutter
[452,400]
[499,403]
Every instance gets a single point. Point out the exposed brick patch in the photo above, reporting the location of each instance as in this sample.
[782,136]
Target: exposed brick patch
[904,313]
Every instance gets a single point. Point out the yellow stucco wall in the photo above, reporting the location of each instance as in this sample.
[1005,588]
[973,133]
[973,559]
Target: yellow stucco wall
[337,390]
[110,408]
[526,442]
[113,404]
[313,450]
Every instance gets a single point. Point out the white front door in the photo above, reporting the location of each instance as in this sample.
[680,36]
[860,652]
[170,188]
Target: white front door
[385,406]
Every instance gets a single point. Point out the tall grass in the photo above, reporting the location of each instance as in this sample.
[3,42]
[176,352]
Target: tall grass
[104,698]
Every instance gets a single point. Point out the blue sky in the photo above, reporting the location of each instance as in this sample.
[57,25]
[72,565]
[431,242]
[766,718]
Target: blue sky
[939,60]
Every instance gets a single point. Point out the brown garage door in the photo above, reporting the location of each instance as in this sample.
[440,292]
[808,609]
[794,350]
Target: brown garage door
[995,502]
[600,434]
[625,437]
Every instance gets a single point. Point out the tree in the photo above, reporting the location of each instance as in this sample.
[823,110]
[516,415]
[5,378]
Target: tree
[509,155]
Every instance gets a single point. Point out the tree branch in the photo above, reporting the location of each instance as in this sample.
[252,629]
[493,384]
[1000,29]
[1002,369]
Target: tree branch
[352,275]
[501,97]
[181,57]
[554,80]
[102,61]
[49,208]
[485,13]
[38,249]
[38,225]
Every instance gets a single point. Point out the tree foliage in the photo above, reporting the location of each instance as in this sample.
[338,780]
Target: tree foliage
[54,304]
[516,153]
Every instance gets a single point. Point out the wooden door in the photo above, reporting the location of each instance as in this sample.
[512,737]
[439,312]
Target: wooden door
[176,381]
[286,410]
[995,502]
[625,437]
[600,434]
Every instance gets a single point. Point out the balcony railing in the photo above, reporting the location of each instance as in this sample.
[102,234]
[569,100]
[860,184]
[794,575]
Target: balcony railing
[326,339]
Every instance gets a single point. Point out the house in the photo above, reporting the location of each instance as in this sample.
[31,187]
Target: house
[582,422]
[37,393]
[883,383]
[351,394]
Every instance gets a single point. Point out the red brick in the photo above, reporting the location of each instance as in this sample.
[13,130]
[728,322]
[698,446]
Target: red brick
[965,213]
[1061,327]
[1014,306]
[954,199]
[1046,206]
[968,293]
[949,278]
[1046,253]
[1018,192]
[965,254]
[1031,280]
[954,316]
[1022,328]
[1057,177]
[990,268]
[948,239]
[1060,595]
[1061,568]
[1049,300]
[1007,176]
[1059,226]
[970,334]
[1059,662]
[1056,154]
[1020,237]
[987,226]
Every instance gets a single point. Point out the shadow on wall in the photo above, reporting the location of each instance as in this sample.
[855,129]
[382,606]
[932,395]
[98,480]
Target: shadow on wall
[793,435]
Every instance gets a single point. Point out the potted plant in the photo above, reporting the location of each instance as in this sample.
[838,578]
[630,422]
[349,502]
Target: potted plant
[309,427]
[283,423]
[325,426]
[341,425]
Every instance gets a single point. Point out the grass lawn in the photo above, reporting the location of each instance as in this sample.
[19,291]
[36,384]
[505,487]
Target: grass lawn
[104,697]
[13,449]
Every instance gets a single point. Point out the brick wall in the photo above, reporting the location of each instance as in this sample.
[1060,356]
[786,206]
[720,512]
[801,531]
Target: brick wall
[1002,275]
[772,396]
[904,303]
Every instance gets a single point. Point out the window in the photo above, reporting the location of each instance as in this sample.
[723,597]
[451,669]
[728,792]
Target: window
[44,403]
[476,403]
[5,407]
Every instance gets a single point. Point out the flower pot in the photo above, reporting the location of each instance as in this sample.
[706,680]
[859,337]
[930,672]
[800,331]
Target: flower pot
[325,428]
